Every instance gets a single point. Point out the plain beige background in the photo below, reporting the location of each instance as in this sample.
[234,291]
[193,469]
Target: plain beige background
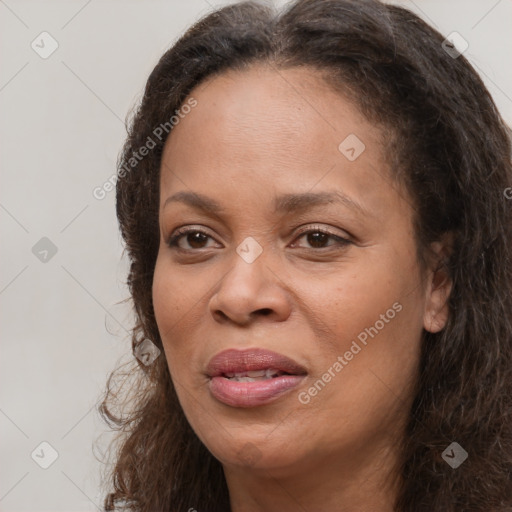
[61,127]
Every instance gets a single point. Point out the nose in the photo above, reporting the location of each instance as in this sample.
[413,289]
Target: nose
[250,292]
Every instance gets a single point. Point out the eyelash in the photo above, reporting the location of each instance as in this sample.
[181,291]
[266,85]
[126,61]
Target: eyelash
[181,232]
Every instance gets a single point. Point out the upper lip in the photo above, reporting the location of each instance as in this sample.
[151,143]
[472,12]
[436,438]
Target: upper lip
[238,361]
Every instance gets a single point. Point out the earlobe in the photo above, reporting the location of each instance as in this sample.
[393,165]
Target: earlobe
[438,290]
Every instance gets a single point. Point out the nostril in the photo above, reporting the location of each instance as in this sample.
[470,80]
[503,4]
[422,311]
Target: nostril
[221,314]
[265,311]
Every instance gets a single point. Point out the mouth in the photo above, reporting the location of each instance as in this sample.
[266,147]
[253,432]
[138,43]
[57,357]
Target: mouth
[252,377]
[255,375]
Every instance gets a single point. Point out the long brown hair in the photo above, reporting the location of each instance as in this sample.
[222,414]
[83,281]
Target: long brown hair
[451,149]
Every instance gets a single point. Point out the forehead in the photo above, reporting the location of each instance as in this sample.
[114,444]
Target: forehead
[264,130]
[270,102]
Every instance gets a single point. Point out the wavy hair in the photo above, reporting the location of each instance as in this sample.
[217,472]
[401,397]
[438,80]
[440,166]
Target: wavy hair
[448,145]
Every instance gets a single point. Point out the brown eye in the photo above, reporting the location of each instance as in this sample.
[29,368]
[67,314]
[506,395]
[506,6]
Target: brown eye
[195,238]
[319,239]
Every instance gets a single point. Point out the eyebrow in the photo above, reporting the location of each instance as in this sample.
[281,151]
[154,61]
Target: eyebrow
[287,203]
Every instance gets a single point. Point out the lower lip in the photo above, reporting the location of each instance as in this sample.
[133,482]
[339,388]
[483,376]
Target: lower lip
[252,394]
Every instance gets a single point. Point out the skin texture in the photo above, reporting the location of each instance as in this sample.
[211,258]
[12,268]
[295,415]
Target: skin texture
[255,135]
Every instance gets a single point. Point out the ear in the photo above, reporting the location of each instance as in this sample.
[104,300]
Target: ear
[439,286]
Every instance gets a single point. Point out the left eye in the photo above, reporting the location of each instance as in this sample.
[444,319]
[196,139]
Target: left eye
[317,238]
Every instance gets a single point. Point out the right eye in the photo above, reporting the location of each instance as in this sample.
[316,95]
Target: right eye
[194,237]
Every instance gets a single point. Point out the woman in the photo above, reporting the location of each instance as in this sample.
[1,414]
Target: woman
[313,206]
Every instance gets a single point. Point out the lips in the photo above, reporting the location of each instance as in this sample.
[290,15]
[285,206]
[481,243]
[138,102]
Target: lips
[241,361]
[252,377]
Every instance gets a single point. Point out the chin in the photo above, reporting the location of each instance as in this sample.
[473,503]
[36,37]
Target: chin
[251,452]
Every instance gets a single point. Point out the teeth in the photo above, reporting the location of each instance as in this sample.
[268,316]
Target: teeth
[245,379]
[254,375]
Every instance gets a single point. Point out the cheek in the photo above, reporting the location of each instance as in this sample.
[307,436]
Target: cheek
[369,376]
[178,293]
[173,299]
[371,318]
[166,302]
[347,302]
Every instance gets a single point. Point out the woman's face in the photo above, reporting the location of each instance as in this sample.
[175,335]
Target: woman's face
[300,243]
